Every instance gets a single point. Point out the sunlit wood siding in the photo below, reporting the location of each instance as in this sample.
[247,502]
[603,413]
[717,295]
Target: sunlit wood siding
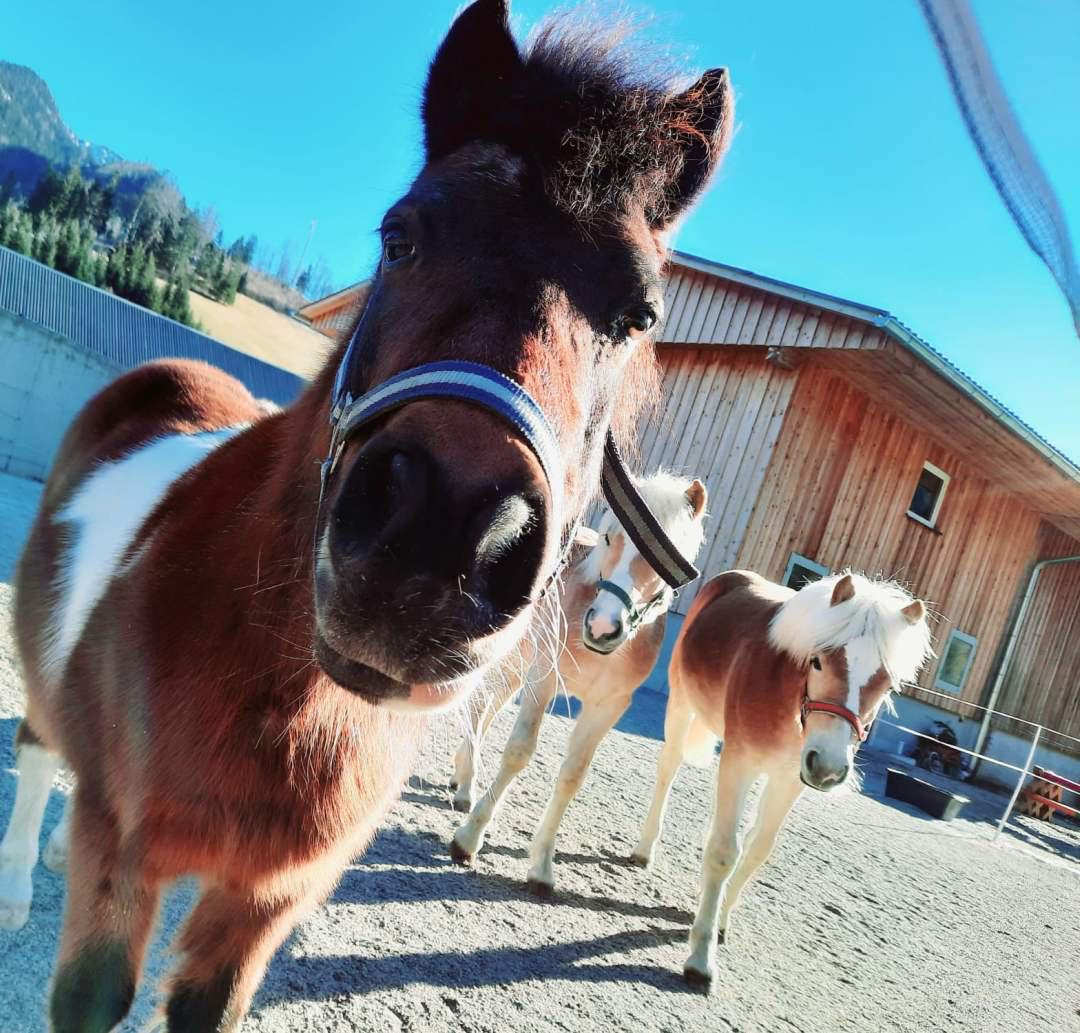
[804,461]
[1043,680]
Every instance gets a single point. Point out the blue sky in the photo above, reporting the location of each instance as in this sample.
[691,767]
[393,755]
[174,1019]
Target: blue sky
[851,172]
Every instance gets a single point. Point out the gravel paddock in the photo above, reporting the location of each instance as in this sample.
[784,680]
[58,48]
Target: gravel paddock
[870,917]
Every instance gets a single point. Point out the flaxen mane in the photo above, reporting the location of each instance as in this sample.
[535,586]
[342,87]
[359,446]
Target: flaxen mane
[807,624]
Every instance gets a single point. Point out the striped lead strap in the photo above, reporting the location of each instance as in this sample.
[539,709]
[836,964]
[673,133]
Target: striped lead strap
[632,511]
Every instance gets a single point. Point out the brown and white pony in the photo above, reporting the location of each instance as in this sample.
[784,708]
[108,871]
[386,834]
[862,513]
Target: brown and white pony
[788,682]
[620,606]
[235,673]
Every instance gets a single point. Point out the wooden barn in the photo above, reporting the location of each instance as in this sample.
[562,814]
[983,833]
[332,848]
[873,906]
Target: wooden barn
[831,436]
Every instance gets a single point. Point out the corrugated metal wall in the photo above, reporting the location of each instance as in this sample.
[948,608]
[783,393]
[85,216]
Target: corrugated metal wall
[123,334]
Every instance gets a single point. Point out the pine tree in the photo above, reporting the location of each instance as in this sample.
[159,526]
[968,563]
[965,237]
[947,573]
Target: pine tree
[46,194]
[23,235]
[68,249]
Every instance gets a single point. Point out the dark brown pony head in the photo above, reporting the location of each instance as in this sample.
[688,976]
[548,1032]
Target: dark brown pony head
[533,242]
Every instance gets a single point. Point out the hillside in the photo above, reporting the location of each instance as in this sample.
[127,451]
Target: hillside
[260,331]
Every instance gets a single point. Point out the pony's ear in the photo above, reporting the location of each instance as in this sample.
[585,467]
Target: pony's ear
[470,78]
[696,496]
[914,612]
[843,590]
[704,116]
[586,536]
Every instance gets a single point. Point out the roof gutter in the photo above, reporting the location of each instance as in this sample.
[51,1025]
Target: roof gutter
[892,326]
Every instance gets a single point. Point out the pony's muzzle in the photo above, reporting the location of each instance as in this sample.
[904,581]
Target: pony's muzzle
[438,535]
[822,772]
[602,633]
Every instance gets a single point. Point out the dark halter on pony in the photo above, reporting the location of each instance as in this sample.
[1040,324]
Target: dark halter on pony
[492,390]
[636,613]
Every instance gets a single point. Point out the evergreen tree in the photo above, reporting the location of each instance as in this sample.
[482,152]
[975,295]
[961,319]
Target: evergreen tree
[22,239]
[46,194]
[69,248]
[7,191]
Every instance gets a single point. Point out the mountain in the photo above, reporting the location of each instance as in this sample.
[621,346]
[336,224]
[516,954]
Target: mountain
[34,136]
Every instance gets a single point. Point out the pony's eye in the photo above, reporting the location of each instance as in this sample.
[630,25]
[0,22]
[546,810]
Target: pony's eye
[637,321]
[397,247]
[815,663]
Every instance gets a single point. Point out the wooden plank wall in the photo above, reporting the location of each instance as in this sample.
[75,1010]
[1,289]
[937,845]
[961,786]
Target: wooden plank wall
[719,421]
[1043,681]
[838,489]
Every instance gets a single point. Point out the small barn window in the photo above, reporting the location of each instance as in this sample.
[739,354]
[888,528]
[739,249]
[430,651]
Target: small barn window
[956,662]
[926,502]
[801,571]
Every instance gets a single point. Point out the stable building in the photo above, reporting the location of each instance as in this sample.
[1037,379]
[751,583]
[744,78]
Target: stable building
[830,436]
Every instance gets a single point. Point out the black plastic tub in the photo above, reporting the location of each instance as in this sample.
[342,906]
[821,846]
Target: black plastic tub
[938,803]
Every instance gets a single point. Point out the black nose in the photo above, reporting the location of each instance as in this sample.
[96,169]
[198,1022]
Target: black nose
[400,511]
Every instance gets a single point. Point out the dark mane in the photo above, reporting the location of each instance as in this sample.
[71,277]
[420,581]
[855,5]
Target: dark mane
[604,136]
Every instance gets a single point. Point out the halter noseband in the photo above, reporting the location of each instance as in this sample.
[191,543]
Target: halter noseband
[636,613]
[497,393]
[822,706]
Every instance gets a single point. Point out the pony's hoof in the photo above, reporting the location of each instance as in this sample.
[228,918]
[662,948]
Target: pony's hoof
[462,804]
[640,860]
[698,980]
[55,856]
[16,892]
[539,888]
[453,783]
[721,936]
[459,854]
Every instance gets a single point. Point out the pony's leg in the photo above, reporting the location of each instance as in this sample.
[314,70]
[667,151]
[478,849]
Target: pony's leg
[109,915]
[779,796]
[55,856]
[464,783]
[733,781]
[226,944]
[519,750]
[677,721]
[593,723]
[19,850]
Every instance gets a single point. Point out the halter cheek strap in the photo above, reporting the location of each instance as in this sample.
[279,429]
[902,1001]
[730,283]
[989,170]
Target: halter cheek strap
[636,613]
[822,706]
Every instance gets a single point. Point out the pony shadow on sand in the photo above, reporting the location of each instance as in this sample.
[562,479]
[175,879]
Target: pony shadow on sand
[436,878]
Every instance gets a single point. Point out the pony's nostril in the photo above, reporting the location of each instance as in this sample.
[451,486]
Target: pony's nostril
[509,551]
[385,494]
[811,761]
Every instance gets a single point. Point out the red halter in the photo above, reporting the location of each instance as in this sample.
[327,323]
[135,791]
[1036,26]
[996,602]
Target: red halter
[838,710]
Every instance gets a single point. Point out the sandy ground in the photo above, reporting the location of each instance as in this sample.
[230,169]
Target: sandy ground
[870,917]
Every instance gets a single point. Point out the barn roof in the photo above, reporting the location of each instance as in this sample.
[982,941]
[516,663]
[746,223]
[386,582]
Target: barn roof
[121,333]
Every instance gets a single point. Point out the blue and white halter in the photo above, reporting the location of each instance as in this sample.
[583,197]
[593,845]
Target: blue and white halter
[494,391]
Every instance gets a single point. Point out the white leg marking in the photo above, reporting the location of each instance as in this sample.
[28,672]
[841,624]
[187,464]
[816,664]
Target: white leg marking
[104,515]
[733,781]
[55,856]
[516,756]
[779,796]
[19,849]
[676,724]
[594,722]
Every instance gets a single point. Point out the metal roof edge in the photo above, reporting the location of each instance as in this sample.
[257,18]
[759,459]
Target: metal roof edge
[905,336]
[855,309]
[968,387]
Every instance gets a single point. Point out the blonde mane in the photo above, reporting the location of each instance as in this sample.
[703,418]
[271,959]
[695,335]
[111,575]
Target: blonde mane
[807,623]
[666,495]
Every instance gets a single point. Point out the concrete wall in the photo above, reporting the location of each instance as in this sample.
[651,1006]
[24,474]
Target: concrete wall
[44,382]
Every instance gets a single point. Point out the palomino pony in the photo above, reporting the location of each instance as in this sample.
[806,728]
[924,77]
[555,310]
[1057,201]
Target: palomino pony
[230,623]
[788,682]
[620,605]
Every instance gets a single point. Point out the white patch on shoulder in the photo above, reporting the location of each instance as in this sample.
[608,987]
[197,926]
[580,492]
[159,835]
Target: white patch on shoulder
[103,518]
